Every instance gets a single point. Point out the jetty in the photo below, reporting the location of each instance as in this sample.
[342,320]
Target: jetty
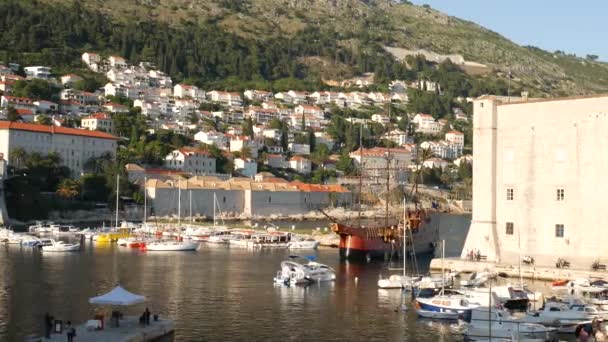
[130,330]
[527,271]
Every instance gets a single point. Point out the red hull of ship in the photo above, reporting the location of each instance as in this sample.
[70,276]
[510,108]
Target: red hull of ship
[356,247]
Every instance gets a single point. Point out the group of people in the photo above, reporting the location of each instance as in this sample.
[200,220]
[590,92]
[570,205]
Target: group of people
[48,325]
[474,255]
[145,317]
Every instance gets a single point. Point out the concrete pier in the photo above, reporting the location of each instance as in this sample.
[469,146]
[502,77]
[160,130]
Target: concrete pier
[528,272]
[129,331]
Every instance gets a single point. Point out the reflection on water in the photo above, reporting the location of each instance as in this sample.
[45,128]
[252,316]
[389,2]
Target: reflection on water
[216,294]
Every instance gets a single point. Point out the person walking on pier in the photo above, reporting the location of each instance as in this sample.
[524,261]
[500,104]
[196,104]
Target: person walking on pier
[71,332]
[48,325]
[147,317]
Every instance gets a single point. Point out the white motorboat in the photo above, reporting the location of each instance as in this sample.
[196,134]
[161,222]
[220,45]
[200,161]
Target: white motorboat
[398,281]
[293,273]
[497,323]
[565,317]
[478,278]
[445,306]
[303,244]
[60,246]
[171,245]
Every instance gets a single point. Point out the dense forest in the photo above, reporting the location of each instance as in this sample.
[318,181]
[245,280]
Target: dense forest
[205,54]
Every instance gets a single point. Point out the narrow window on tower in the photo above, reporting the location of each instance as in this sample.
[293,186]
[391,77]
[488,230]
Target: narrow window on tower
[559,230]
[509,228]
[510,194]
[560,195]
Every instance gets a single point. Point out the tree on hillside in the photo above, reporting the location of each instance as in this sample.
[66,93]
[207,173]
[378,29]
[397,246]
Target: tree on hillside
[18,155]
[68,189]
[36,89]
[247,127]
[12,114]
[44,120]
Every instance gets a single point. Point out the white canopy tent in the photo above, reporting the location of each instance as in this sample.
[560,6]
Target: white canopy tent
[118,296]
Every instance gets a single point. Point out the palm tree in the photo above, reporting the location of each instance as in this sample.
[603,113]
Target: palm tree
[17,157]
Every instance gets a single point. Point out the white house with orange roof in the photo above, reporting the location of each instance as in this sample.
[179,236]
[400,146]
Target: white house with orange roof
[191,91]
[17,102]
[115,108]
[217,139]
[261,115]
[295,121]
[276,161]
[227,98]
[189,159]
[397,136]
[300,164]
[6,86]
[117,62]
[374,161]
[425,123]
[298,97]
[455,137]
[43,106]
[309,110]
[70,79]
[98,122]
[257,95]
[381,119]
[247,167]
[239,141]
[92,60]
[74,146]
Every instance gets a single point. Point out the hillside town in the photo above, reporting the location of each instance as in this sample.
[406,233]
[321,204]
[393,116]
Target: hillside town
[290,135]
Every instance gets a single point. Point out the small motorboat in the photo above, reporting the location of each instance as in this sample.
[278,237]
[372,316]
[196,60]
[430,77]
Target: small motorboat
[445,306]
[560,282]
[171,245]
[478,278]
[500,324]
[293,273]
[60,246]
[398,281]
[303,244]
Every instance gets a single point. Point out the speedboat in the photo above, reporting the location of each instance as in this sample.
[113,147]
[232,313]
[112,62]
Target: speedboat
[60,246]
[398,281]
[303,244]
[171,245]
[293,273]
[565,317]
[499,324]
[478,278]
[445,306]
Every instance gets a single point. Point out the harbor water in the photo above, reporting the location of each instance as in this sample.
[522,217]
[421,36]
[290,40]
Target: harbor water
[215,294]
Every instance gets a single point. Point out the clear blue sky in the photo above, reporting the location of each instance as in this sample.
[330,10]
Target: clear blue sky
[578,27]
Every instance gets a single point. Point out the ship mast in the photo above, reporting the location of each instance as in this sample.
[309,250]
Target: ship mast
[360,172]
[388,157]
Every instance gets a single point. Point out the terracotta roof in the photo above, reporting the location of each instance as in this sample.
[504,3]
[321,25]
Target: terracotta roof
[191,150]
[15,98]
[55,130]
[455,132]
[298,158]
[22,111]
[378,151]
[118,105]
[99,116]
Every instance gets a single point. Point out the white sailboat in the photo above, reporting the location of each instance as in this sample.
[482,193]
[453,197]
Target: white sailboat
[60,246]
[293,273]
[398,281]
[174,245]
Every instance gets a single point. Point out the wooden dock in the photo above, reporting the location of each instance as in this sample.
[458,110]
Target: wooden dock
[129,331]
[527,271]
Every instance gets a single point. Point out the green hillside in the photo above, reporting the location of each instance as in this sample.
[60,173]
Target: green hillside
[280,39]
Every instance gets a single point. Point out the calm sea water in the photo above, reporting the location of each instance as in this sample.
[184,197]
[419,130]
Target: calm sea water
[215,294]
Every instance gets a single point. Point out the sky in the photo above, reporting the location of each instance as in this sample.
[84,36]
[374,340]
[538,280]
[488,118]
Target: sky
[571,26]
